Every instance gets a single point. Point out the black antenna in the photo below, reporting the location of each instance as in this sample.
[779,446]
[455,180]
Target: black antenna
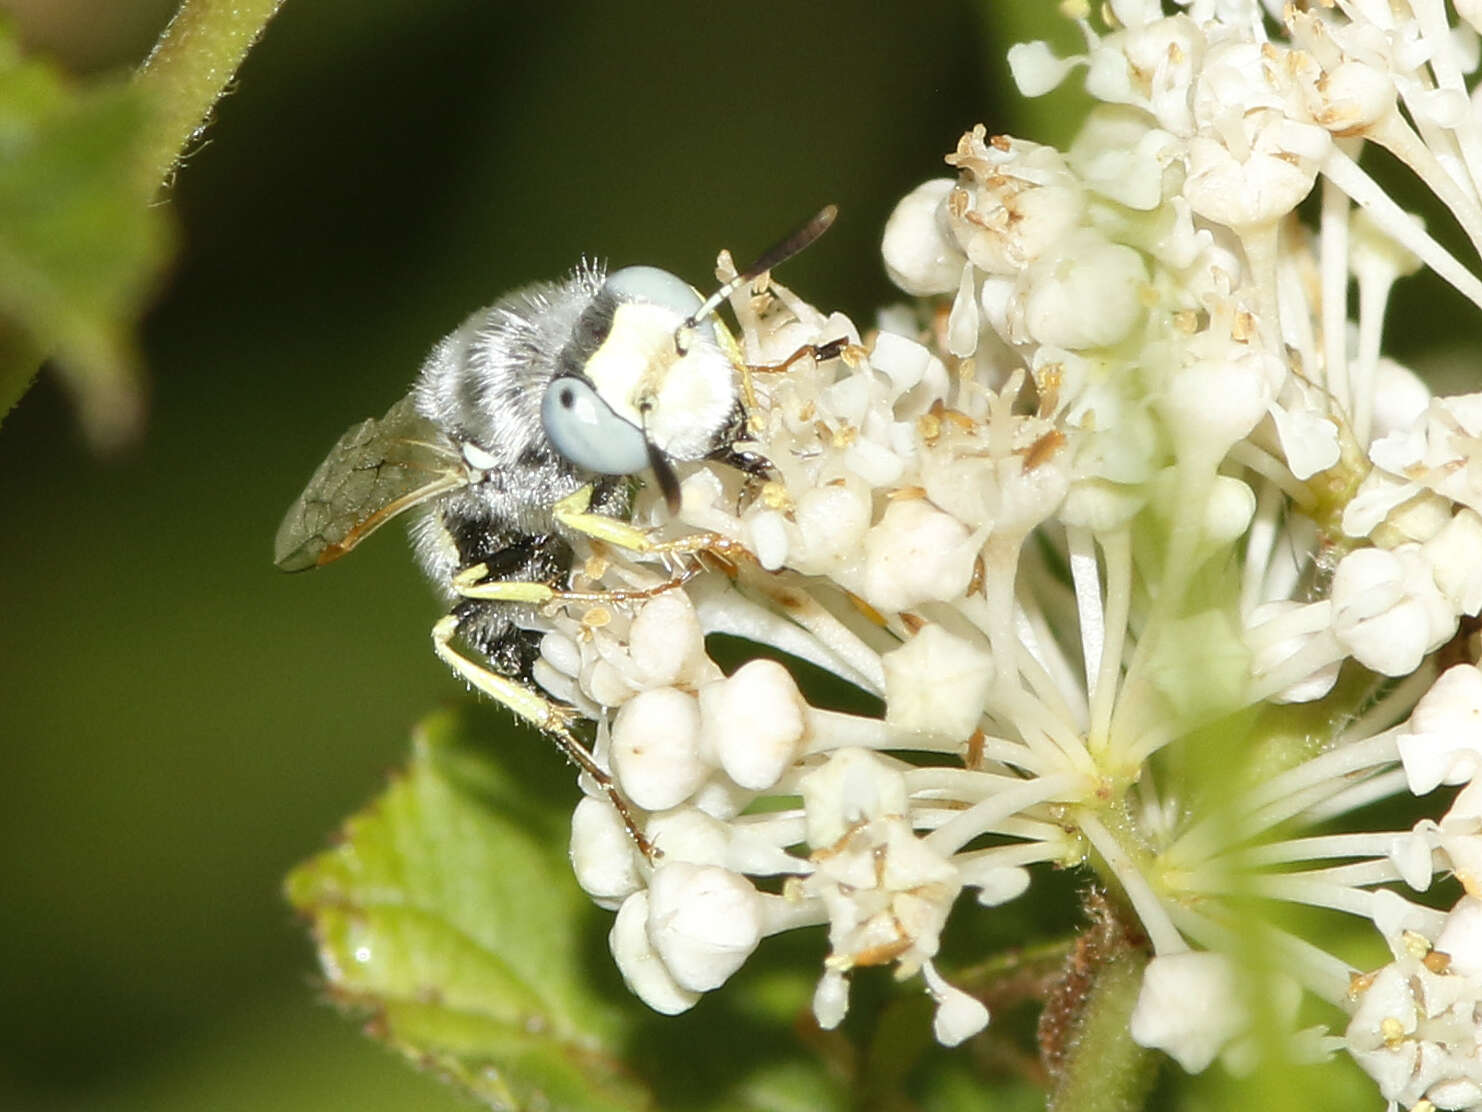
[779,252]
[662,468]
[664,472]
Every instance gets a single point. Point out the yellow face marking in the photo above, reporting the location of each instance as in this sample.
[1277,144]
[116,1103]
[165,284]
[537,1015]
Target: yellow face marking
[634,360]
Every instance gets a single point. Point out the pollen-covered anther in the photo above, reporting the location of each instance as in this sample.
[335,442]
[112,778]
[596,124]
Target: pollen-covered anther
[596,617]
[1392,1031]
[775,496]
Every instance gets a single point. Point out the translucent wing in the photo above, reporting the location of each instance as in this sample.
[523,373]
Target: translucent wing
[378,470]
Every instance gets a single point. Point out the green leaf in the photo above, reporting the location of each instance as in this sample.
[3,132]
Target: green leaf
[448,911]
[79,242]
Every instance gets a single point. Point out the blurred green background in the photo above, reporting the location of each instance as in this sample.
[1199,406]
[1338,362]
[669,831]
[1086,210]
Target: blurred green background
[182,723]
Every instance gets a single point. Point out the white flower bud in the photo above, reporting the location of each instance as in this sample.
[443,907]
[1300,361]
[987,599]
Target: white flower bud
[606,685]
[644,972]
[766,534]
[831,522]
[1035,68]
[1419,519]
[1262,178]
[905,363]
[665,641]
[1019,204]
[561,653]
[1387,611]
[1461,937]
[916,554]
[721,797]
[874,463]
[937,683]
[959,1016]
[753,723]
[656,748]
[1086,294]
[1308,440]
[853,786]
[1401,397]
[1243,388]
[1466,808]
[1228,508]
[602,853]
[689,834]
[831,999]
[703,921]
[1189,1007]
[921,257]
[962,321]
[1270,652]
[1376,497]
[999,885]
[1101,506]
[1136,13]
[1453,556]
[1123,157]
[1443,744]
[1411,856]
[1353,96]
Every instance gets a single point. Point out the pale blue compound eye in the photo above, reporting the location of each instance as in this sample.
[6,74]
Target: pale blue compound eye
[658,287]
[589,434]
[649,283]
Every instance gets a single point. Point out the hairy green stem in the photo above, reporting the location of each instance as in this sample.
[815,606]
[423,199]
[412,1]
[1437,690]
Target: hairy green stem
[1103,1070]
[190,66]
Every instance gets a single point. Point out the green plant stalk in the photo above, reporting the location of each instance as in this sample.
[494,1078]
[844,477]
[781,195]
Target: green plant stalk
[16,351]
[1104,1070]
[189,68]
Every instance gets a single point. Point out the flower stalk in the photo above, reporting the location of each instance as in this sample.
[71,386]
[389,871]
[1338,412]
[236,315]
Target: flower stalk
[190,67]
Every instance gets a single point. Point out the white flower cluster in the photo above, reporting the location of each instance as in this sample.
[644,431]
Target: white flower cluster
[1134,476]
[1415,1026]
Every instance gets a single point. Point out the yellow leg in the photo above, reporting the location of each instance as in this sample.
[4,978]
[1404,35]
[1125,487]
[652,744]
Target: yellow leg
[552,718]
[467,584]
[532,707]
[573,512]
